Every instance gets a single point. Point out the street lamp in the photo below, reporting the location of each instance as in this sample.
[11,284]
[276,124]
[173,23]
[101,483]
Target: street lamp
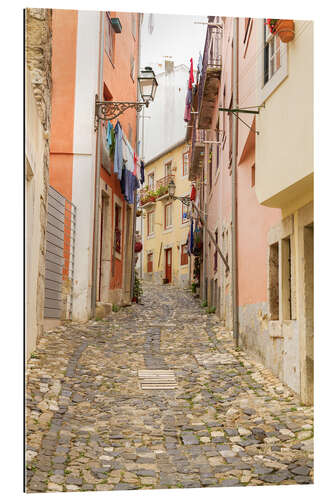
[109,110]
[186,200]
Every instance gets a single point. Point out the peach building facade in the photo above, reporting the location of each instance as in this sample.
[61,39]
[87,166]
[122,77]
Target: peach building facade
[77,80]
[272,185]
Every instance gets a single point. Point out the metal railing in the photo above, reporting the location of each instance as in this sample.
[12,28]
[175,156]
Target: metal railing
[208,60]
[164,181]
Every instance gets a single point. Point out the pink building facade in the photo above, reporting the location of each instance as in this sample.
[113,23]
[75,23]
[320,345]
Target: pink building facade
[211,170]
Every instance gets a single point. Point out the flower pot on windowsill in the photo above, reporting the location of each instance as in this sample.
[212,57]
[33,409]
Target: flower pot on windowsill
[285,29]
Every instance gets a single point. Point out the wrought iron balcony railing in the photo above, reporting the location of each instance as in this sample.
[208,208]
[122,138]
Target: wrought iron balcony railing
[164,182]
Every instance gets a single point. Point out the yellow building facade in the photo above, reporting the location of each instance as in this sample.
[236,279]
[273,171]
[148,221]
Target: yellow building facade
[166,221]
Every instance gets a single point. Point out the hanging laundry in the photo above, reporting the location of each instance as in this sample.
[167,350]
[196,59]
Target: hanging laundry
[135,164]
[118,152]
[110,138]
[191,78]
[188,102]
[199,64]
[130,164]
[142,172]
[193,193]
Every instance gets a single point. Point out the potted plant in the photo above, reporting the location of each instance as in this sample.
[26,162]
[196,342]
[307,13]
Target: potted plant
[137,290]
[161,191]
[284,28]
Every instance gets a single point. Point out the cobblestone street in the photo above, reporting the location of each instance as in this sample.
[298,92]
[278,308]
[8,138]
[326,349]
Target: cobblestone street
[90,425]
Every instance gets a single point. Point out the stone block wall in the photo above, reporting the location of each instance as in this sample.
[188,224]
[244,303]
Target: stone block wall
[38,52]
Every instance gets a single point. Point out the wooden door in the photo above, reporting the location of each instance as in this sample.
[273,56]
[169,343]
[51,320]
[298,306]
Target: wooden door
[168,264]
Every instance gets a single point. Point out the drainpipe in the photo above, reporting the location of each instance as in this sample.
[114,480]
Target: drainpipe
[234,271]
[97,172]
[204,274]
[136,140]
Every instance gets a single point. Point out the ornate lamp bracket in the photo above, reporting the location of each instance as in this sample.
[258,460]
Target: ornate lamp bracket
[186,200]
[109,110]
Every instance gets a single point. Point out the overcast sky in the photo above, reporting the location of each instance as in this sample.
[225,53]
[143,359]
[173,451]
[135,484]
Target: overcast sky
[173,35]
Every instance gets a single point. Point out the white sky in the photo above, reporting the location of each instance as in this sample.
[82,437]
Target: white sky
[173,35]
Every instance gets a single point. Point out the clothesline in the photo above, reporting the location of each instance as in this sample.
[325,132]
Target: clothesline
[125,161]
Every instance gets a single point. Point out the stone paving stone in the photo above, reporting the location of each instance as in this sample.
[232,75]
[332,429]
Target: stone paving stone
[91,427]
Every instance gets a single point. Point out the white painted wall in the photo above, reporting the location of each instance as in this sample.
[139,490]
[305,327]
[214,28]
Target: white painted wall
[166,125]
[34,187]
[87,58]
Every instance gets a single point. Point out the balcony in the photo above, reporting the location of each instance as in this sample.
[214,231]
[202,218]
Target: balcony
[197,151]
[162,191]
[210,79]
[147,198]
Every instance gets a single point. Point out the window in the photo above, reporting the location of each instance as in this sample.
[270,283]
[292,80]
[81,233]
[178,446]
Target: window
[183,255]
[273,67]
[272,55]
[150,262]
[109,39]
[185,214]
[150,223]
[132,67]
[151,181]
[167,168]
[185,164]
[117,229]
[168,216]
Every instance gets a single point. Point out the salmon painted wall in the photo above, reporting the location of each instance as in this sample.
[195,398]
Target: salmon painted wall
[254,220]
[119,86]
[64,33]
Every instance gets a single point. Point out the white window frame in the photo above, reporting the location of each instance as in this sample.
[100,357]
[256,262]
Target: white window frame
[265,90]
[149,175]
[151,225]
[167,208]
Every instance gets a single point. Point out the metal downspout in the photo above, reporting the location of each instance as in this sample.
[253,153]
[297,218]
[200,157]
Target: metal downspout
[234,186]
[136,142]
[97,171]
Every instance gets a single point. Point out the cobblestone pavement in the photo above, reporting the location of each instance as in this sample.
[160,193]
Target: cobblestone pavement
[90,426]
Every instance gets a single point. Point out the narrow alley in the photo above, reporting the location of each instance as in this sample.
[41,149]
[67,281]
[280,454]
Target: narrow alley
[91,426]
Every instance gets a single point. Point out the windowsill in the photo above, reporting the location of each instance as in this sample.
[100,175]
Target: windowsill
[150,236]
[168,230]
[182,266]
[185,223]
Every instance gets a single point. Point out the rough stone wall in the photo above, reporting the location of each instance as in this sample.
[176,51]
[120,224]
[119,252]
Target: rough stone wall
[38,52]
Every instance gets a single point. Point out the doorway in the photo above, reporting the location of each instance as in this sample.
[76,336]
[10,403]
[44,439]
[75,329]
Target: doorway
[105,249]
[168,264]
